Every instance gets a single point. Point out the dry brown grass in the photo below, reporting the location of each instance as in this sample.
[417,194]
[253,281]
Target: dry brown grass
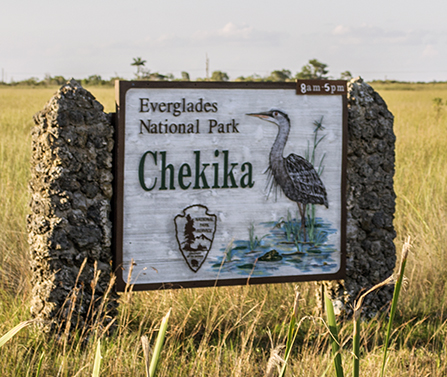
[230,331]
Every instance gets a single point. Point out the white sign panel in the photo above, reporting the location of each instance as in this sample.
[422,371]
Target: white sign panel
[218,184]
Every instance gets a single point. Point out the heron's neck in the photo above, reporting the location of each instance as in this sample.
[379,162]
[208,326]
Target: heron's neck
[276,154]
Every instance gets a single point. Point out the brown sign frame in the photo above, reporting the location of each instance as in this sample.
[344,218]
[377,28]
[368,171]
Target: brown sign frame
[121,88]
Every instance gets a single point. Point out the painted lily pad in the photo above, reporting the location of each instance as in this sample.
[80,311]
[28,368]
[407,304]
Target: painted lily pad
[271,256]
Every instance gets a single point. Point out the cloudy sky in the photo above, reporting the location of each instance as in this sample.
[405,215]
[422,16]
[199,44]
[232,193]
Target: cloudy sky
[393,39]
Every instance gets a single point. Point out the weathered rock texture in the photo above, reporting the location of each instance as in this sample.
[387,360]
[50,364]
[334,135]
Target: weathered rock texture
[371,254]
[71,188]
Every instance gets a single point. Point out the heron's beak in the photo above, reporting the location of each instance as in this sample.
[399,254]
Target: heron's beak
[265,116]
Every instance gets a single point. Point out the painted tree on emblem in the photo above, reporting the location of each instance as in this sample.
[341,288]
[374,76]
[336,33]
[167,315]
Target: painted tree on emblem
[189,233]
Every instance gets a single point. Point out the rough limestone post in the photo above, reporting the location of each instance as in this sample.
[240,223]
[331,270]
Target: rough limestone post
[371,254]
[71,187]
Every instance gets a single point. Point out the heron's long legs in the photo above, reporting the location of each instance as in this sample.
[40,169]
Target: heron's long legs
[302,209]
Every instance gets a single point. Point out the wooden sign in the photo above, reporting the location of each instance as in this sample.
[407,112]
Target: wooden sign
[228,183]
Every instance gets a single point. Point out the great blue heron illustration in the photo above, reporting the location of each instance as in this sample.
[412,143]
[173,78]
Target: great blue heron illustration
[295,175]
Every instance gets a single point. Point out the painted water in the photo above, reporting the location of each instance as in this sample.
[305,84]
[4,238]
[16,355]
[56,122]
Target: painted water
[280,244]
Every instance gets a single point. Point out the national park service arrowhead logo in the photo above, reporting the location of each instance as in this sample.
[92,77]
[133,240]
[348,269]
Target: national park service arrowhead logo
[194,230]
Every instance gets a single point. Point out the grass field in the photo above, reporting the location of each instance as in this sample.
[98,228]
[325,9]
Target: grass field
[231,331]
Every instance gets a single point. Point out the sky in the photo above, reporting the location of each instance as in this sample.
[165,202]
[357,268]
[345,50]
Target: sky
[380,39]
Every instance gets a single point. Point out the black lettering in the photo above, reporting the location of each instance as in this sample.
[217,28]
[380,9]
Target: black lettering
[234,126]
[142,124]
[199,106]
[177,105]
[213,123]
[190,128]
[153,127]
[160,125]
[173,128]
[206,230]
[144,104]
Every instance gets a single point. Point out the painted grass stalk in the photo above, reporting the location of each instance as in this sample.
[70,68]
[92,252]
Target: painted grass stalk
[397,288]
[255,241]
[310,156]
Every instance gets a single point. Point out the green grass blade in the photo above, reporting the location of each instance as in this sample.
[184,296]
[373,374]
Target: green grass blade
[292,333]
[97,363]
[288,353]
[10,334]
[159,344]
[39,366]
[356,345]
[334,336]
[397,289]
[356,316]
[291,336]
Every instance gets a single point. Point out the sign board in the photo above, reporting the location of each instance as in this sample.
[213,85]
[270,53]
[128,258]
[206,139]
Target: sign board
[229,183]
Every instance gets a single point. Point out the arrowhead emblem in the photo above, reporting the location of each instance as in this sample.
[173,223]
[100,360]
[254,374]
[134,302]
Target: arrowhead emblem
[194,230]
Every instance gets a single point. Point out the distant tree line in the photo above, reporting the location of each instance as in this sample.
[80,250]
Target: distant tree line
[60,80]
[314,69]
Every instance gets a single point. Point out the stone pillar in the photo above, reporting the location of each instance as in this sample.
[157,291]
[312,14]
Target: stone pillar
[69,226]
[371,254]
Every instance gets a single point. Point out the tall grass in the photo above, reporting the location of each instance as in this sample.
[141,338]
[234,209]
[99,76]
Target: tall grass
[231,331]
[421,188]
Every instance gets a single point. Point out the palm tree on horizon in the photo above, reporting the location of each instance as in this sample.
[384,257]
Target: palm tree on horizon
[139,63]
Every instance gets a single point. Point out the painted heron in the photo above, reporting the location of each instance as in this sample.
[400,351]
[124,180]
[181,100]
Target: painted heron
[295,175]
